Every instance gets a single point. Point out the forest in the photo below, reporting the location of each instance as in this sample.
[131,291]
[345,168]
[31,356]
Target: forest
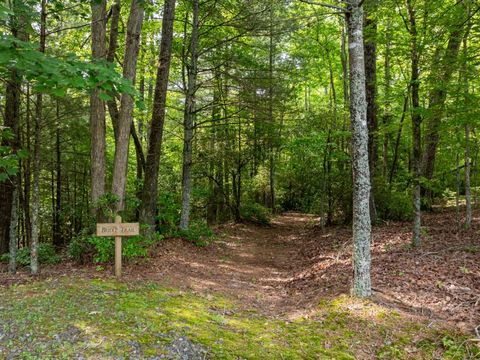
[305,176]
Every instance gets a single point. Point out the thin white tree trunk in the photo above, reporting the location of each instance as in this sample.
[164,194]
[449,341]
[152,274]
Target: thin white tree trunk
[468,196]
[360,164]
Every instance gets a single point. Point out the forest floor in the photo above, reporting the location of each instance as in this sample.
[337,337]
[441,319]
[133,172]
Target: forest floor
[259,292]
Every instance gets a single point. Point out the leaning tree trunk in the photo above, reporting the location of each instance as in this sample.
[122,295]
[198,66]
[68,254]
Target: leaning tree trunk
[125,115]
[97,111]
[150,185]
[112,104]
[361,173]
[188,122]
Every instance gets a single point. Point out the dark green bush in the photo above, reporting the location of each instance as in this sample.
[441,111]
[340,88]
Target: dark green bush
[80,248]
[393,205]
[168,213]
[101,249]
[46,255]
[255,213]
[198,233]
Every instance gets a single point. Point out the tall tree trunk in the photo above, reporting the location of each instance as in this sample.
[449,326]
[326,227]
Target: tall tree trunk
[370,49]
[416,123]
[58,239]
[437,100]
[188,122]
[13,239]
[34,266]
[150,185]
[361,174]
[12,122]
[112,104]
[97,111]
[468,196]
[397,141]
[132,45]
[271,50]
[387,112]
[7,187]
[111,52]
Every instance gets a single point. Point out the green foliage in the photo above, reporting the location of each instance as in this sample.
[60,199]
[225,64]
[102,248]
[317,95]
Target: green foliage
[9,160]
[102,249]
[256,213]
[168,213]
[199,233]
[55,75]
[392,204]
[80,249]
[46,255]
[107,203]
[86,247]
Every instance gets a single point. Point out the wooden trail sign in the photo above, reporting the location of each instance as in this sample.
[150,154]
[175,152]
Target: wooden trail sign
[118,230]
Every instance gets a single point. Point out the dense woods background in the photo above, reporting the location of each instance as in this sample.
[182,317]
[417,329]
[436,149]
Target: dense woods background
[256,119]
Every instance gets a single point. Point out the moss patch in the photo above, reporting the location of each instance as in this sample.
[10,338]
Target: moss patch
[69,317]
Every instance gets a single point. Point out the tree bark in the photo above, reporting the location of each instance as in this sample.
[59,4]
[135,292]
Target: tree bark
[361,173]
[150,185]
[188,122]
[468,196]
[58,238]
[97,111]
[437,100]
[13,240]
[370,49]
[132,45]
[416,123]
[34,265]
[12,122]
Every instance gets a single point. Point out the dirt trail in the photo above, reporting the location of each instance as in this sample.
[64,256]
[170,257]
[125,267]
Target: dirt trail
[290,266]
[251,263]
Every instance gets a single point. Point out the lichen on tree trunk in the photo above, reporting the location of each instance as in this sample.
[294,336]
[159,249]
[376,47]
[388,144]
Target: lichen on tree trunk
[360,162]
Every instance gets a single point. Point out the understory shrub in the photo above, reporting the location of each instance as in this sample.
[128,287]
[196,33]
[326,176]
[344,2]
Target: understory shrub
[46,255]
[168,213]
[393,205]
[199,233]
[101,249]
[255,213]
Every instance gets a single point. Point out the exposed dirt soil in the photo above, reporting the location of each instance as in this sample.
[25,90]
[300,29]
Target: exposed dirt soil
[287,268]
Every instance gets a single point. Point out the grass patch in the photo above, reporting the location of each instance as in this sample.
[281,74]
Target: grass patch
[69,317]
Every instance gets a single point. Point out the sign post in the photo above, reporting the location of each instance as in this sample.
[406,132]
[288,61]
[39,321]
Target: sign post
[118,230]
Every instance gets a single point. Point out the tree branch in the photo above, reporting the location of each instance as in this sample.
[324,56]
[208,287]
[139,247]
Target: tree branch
[338,8]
